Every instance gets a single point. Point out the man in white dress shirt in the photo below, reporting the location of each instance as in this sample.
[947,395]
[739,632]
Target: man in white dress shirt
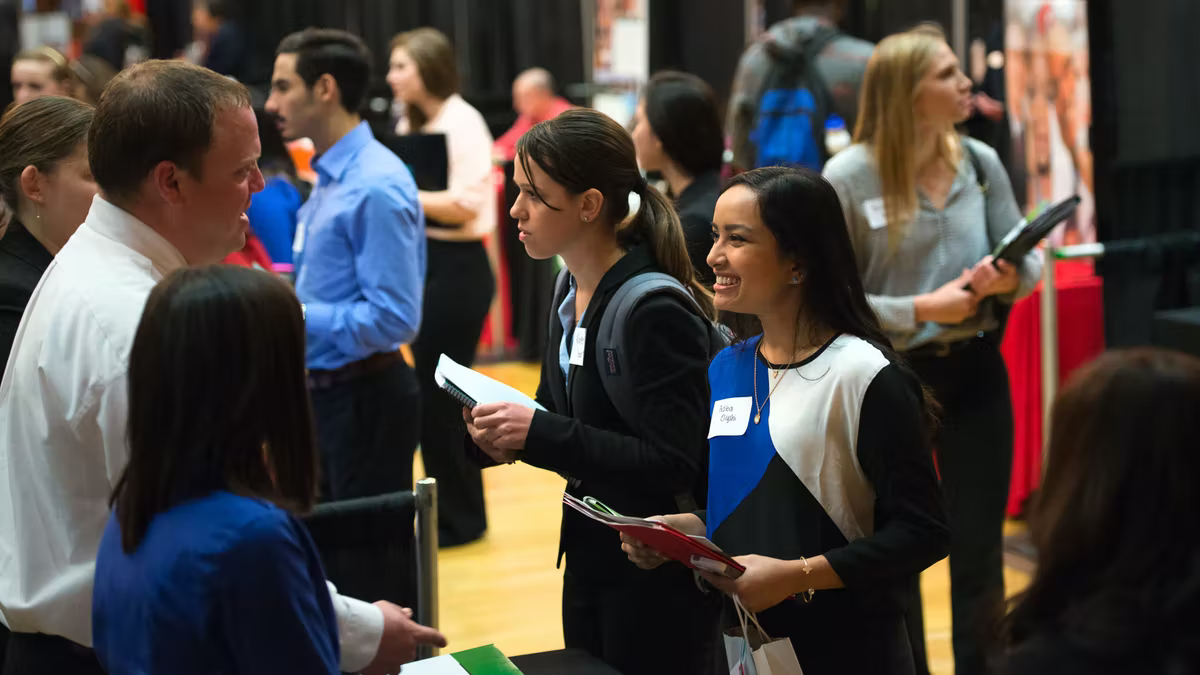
[174,149]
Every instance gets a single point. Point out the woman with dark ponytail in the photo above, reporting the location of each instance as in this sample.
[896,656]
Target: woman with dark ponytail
[579,181]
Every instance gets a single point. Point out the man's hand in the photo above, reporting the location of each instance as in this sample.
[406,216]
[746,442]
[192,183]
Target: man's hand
[401,636]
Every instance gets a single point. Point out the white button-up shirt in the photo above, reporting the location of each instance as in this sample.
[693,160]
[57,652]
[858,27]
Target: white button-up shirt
[63,411]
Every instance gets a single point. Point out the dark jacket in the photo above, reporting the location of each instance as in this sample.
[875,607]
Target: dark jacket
[637,469]
[23,260]
[695,206]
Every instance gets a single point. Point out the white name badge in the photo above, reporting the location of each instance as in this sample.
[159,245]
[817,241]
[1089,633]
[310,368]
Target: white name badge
[875,213]
[298,240]
[578,344]
[730,417]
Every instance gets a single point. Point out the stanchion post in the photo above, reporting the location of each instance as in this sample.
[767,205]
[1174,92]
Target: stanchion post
[427,565]
[1049,307]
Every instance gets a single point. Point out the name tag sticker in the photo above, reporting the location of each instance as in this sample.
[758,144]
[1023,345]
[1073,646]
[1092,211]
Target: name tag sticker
[578,344]
[875,213]
[730,417]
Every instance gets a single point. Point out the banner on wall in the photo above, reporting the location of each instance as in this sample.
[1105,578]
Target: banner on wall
[620,56]
[1050,109]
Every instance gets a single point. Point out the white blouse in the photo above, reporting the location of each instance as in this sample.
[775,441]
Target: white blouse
[469,152]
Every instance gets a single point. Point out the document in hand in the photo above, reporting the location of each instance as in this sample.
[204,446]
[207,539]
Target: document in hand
[695,552]
[1022,238]
[471,388]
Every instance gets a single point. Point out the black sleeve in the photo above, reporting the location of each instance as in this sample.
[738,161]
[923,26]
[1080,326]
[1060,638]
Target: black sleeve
[697,232]
[668,360]
[895,453]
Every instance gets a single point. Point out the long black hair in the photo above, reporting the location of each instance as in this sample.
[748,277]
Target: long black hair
[683,112]
[803,212]
[1118,576]
[585,149]
[218,398]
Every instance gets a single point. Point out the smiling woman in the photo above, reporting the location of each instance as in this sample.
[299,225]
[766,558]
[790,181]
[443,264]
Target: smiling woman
[843,472]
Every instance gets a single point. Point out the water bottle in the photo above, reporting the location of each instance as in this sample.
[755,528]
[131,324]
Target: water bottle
[837,138]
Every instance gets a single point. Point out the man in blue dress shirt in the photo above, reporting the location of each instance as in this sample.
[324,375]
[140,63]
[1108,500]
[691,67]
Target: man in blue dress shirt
[360,268]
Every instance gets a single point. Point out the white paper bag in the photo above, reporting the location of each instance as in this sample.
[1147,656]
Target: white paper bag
[750,651]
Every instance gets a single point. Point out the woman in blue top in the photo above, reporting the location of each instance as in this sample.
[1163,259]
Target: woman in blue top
[203,567]
[272,212]
[821,479]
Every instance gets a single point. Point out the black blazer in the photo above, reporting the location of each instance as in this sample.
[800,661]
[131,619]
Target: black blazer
[23,260]
[637,469]
[695,207]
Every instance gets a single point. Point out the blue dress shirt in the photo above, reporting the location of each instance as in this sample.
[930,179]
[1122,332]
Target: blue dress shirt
[220,584]
[272,215]
[360,253]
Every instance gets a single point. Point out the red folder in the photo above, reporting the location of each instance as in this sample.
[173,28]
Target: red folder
[695,552]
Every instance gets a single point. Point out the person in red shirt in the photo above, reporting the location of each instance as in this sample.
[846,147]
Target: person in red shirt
[535,102]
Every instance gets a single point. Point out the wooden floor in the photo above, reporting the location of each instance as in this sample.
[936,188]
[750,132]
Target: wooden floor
[505,590]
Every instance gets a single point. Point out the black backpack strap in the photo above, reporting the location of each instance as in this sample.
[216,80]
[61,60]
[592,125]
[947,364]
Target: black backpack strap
[999,309]
[611,340]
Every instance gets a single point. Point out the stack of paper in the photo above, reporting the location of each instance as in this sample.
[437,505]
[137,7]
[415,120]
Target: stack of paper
[472,388]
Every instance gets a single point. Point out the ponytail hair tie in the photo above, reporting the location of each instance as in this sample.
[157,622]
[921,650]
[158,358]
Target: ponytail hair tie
[640,186]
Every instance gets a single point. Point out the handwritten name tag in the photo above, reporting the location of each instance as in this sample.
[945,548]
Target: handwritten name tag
[875,213]
[578,344]
[730,417]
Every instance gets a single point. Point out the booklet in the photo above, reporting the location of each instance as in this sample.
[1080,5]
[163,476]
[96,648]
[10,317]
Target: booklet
[472,388]
[691,550]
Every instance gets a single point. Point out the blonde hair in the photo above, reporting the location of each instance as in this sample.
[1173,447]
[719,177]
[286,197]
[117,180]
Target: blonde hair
[887,122]
[59,68]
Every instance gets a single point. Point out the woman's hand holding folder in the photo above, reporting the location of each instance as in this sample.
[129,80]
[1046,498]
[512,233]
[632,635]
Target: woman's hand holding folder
[647,558]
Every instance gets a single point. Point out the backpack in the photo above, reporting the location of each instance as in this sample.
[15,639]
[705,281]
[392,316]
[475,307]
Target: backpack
[789,127]
[612,333]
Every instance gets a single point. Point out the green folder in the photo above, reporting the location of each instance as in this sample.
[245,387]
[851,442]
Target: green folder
[485,661]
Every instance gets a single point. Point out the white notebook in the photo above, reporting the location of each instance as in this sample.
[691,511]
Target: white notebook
[471,388]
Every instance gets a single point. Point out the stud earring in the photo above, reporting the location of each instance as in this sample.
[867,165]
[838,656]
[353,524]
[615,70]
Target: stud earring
[795,280]
[585,219]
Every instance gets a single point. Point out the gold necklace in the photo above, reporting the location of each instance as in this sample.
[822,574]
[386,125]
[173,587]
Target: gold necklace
[759,408]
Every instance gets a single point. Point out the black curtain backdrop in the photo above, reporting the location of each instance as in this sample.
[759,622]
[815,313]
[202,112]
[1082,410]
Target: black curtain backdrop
[495,40]
[1147,160]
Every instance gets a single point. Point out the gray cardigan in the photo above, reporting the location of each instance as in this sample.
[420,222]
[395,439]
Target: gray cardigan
[937,246]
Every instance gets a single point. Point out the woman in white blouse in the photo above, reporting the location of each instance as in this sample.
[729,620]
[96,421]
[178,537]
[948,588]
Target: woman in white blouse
[459,284]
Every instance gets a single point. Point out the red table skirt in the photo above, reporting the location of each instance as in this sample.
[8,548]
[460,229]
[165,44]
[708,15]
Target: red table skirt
[1080,339]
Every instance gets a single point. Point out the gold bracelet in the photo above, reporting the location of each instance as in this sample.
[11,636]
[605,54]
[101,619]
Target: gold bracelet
[806,595]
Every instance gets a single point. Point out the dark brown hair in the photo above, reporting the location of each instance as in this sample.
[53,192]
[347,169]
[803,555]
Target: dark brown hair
[61,71]
[437,63]
[217,397]
[40,133]
[337,53]
[1117,571]
[683,113]
[583,149]
[154,112]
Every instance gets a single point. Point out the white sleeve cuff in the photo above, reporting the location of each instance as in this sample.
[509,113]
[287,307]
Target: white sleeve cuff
[360,629]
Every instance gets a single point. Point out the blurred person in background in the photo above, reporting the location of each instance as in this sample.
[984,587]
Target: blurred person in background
[459,283]
[677,131]
[1117,586]
[43,71]
[925,207]
[90,75]
[840,65]
[216,26]
[535,101]
[116,37]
